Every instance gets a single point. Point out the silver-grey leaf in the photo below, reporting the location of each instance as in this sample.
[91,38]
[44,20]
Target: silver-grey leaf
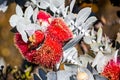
[73,42]
[82,15]
[28,12]
[72,5]
[34,1]
[51,76]
[71,67]
[53,8]
[3,6]
[64,75]
[19,11]
[89,22]
[14,20]
[70,53]
[35,14]
[99,35]
[21,30]
[88,39]
[57,3]
[44,4]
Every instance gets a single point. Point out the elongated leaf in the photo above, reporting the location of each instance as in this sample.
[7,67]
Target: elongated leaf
[72,5]
[85,59]
[14,20]
[53,8]
[88,39]
[19,11]
[28,12]
[57,3]
[89,22]
[44,4]
[73,42]
[115,56]
[3,6]
[42,74]
[99,77]
[20,29]
[98,58]
[36,77]
[99,35]
[82,15]
[95,47]
[70,53]
[64,75]
[71,67]
[51,76]
[35,14]
[34,1]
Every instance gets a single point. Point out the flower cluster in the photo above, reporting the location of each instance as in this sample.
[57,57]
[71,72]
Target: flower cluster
[45,48]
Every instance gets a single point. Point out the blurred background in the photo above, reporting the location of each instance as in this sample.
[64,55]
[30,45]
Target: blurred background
[107,11]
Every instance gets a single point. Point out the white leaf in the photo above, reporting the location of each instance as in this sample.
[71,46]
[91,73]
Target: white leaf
[64,75]
[28,12]
[30,29]
[3,6]
[62,10]
[92,32]
[21,30]
[95,46]
[34,1]
[19,11]
[83,15]
[97,59]
[89,22]
[88,39]
[71,67]
[116,55]
[35,15]
[14,20]
[70,54]
[99,35]
[73,42]
[60,75]
[72,5]
[53,8]
[65,11]
[51,76]
[57,3]
[44,4]
[84,59]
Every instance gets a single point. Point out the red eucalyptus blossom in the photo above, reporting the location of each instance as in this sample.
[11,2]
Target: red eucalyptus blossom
[58,29]
[43,16]
[50,53]
[20,44]
[112,70]
[51,41]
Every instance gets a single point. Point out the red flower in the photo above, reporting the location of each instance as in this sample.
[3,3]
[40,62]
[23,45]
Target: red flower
[36,38]
[112,70]
[50,53]
[58,29]
[20,44]
[43,16]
